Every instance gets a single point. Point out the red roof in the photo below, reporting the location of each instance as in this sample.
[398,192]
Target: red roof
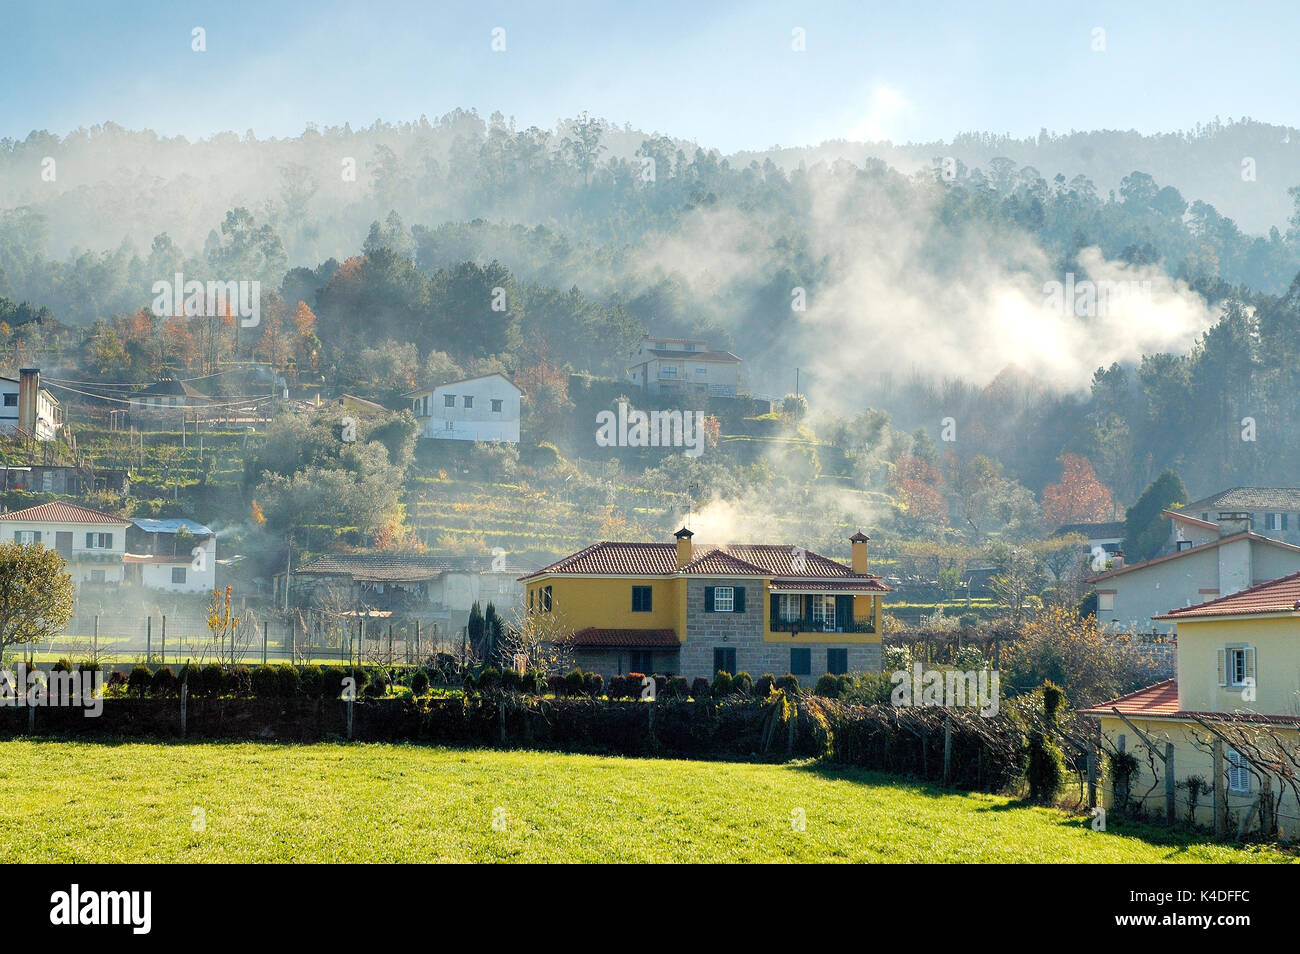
[59,512]
[1275,596]
[859,585]
[1161,702]
[746,559]
[625,638]
[1193,551]
[1158,700]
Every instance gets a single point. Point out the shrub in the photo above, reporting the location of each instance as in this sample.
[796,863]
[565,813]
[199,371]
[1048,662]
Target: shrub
[555,684]
[828,687]
[763,688]
[510,680]
[190,676]
[139,680]
[489,678]
[88,667]
[469,683]
[574,682]
[788,683]
[240,680]
[722,684]
[897,657]
[164,681]
[743,683]
[593,684]
[419,682]
[843,685]
[678,688]
[700,688]
[289,681]
[661,684]
[617,687]
[872,689]
[377,685]
[214,680]
[312,680]
[265,682]
[1046,768]
[63,665]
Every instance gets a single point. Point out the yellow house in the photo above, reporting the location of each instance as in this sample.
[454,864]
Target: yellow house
[1231,715]
[691,610]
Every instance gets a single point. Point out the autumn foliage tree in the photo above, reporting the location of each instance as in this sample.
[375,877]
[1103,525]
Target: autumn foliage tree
[1078,497]
[918,498]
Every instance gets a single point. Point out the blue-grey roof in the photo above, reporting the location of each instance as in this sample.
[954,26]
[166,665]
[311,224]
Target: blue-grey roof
[172,525]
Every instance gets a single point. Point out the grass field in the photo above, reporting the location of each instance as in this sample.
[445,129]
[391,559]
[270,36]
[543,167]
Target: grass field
[80,802]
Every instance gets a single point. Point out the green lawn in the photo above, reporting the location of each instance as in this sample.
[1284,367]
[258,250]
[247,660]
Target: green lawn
[83,802]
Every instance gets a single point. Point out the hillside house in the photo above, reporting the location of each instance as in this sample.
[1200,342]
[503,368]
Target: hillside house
[1272,511]
[27,408]
[167,401]
[92,542]
[175,554]
[485,408]
[1137,596]
[682,609]
[686,366]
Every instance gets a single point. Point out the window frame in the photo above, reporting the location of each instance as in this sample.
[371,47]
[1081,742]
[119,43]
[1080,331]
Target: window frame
[1238,771]
[498,405]
[645,603]
[718,603]
[448,400]
[806,667]
[836,653]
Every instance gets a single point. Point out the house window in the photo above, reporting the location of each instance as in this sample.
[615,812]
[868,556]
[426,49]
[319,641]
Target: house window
[701,372]
[1106,601]
[801,662]
[469,400]
[11,400]
[668,371]
[99,541]
[824,612]
[546,599]
[178,574]
[837,661]
[449,400]
[496,405]
[790,608]
[27,536]
[724,660]
[641,660]
[641,599]
[1284,520]
[724,600]
[1236,665]
[1238,772]
[530,601]
[1270,521]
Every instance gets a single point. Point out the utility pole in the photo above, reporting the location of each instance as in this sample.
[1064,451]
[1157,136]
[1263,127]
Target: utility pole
[288,560]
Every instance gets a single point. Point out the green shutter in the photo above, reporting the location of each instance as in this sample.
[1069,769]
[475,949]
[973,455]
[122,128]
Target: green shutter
[844,612]
[773,611]
[90,540]
[739,605]
[708,599]
[807,611]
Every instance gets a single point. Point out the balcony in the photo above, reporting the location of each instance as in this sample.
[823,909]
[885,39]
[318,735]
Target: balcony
[803,626]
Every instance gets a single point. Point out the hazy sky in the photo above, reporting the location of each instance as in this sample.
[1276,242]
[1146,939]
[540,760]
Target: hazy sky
[722,73]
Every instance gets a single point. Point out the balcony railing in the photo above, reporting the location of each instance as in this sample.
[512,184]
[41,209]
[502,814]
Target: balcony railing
[803,626]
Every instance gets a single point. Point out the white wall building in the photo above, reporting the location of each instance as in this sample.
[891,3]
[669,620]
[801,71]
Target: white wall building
[486,408]
[91,541]
[686,365]
[25,405]
[177,555]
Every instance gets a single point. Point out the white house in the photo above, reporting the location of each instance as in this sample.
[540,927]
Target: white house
[167,399]
[92,542]
[178,555]
[686,365]
[485,408]
[26,406]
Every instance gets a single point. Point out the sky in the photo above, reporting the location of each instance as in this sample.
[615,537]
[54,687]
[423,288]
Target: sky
[724,74]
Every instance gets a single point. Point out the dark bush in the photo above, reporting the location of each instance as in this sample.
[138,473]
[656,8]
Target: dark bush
[489,678]
[88,667]
[788,683]
[332,681]
[240,680]
[763,688]
[593,684]
[63,665]
[555,684]
[289,680]
[509,680]
[827,687]
[743,683]
[312,680]
[575,682]
[678,688]
[377,685]
[139,681]
[190,676]
[419,682]
[661,684]
[266,684]
[700,688]
[469,683]
[164,681]
[617,688]
[534,682]
[214,680]
[844,685]
[723,684]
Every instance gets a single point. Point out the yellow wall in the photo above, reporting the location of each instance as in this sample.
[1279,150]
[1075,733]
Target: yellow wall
[1277,665]
[1188,760]
[607,602]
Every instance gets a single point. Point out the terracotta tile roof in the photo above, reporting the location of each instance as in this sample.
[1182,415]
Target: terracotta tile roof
[625,638]
[1248,498]
[801,586]
[59,512]
[1191,551]
[1161,702]
[628,559]
[1160,699]
[1275,596]
[721,563]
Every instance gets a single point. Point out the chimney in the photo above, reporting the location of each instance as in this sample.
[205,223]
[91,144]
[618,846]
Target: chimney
[859,546]
[1117,560]
[1232,522]
[29,388]
[683,547]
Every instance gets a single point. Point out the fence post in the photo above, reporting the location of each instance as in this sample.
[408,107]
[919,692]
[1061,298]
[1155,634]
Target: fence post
[417,641]
[148,639]
[1220,814]
[264,625]
[947,747]
[185,692]
[293,640]
[164,638]
[96,637]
